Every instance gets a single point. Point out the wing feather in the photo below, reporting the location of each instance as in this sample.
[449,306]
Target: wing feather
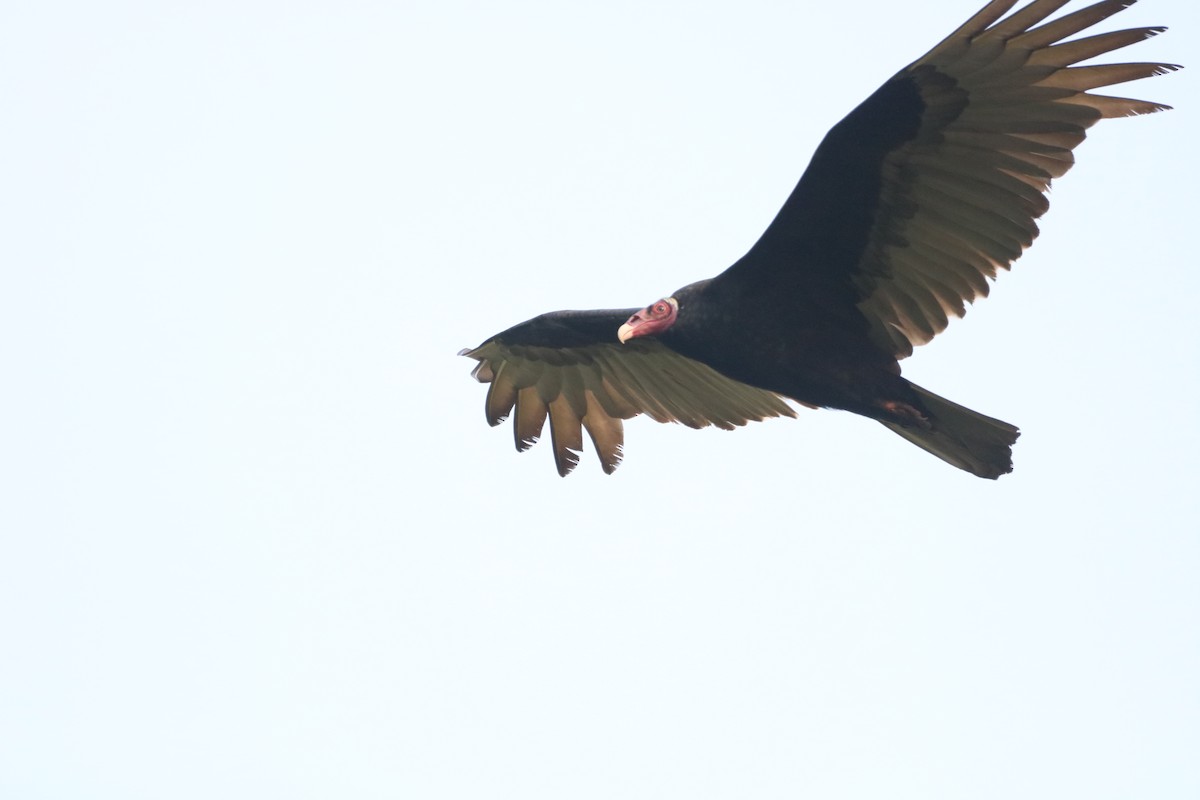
[566,433]
[606,432]
[978,179]
[1025,109]
[1066,53]
[501,396]
[531,416]
[935,183]
[568,368]
[1068,25]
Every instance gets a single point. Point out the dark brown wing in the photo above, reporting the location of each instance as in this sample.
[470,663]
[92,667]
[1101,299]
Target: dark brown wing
[916,199]
[569,366]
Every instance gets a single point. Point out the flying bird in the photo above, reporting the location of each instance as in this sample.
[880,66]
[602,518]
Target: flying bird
[909,207]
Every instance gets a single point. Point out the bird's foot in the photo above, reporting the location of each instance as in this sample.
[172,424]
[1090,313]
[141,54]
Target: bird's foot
[906,414]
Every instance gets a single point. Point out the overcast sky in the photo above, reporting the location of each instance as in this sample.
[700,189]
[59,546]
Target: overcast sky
[257,541]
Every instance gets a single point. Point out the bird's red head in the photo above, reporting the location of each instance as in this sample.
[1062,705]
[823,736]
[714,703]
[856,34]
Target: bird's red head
[651,320]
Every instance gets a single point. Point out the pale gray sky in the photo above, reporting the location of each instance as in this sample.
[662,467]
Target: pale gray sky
[259,542]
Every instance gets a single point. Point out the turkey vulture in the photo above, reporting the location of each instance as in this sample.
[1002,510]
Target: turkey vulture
[910,205]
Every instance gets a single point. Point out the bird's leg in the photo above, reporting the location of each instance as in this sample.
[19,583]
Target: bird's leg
[905,414]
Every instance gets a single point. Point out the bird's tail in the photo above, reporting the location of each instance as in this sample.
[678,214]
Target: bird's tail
[962,437]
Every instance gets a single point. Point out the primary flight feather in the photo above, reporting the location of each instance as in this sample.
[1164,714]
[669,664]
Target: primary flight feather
[908,209]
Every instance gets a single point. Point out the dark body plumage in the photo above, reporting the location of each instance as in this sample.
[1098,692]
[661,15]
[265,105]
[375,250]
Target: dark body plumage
[802,351]
[908,208]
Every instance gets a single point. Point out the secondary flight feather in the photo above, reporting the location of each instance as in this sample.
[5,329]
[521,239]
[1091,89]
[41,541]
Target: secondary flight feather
[909,208]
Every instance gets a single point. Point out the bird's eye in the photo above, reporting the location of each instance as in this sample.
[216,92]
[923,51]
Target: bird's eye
[659,309]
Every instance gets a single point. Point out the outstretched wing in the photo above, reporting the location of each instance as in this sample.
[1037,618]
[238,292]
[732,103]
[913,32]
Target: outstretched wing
[569,366]
[916,199]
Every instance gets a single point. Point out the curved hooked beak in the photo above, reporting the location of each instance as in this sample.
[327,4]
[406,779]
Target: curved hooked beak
[654,318]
